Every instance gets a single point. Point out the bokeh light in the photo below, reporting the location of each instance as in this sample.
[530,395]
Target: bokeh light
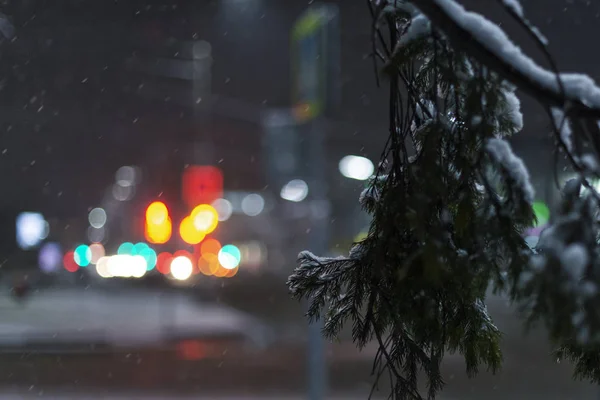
[150,257]
[210,246]
[229,256]
[127,176]
[181,268]
[157,213]
[122,193]
[163,262]
[224,209]
[69,261]
[253,204]
[97,218]
[82,255]
[232,272]
[97,252]
[127,266]
[208,264]
[205,218]
[125,248]
[96,235]
[138,248]
[542,212]
[189,233]
[295,190]
[32,228]
[158,225]
[50,257]
[159,234]
[102,267]
[356,167]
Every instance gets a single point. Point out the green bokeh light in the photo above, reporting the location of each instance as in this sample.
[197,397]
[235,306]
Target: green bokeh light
[82,255]
[542,212]
[150,257]
[125,249]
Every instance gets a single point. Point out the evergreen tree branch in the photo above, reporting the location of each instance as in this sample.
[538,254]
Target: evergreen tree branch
[465,40]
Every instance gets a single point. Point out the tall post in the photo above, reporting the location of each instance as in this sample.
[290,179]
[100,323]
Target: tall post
[315,93]
[318,243]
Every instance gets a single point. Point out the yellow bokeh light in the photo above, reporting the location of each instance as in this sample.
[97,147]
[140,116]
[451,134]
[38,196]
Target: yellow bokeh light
[189,233]
[157,213]
[158,233]
[205,218]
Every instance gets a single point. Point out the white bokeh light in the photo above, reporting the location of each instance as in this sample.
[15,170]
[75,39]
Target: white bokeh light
[97,218]
[32,228]
[224,208]
[355,167]
[253,204]
[181,268]
[295,190]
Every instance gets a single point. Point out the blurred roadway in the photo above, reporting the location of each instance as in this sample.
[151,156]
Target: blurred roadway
[185,361]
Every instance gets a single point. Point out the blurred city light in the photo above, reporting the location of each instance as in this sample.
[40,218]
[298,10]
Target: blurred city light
[102,267]
[122,193]
[253,204]
[138,248]
[163,262]
[295,190]
[82,255]
[96,235]
[205,218]
[97,218]
[50,257]
[208,264]
[125,248]
[542,212]
[97,252]
[126,266]
[210,246]
[253,254]
[229,256]
[181,268]
[158,225]
[159,234]
[201,184]
[224,208]
[32,228]
[189,233]
[127,176]
[356,167]
[69,261]
[157,213]
[150,257]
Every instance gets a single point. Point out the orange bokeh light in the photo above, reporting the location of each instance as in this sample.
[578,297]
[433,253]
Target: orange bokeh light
[210,246]
[208,264]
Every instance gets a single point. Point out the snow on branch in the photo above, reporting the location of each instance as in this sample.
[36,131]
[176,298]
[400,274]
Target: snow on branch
[501,152]
[489,43]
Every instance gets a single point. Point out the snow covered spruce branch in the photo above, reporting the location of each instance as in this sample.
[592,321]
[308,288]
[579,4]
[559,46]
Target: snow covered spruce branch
[450,203]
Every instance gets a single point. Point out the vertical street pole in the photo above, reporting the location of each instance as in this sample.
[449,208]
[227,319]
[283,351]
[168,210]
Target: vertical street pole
[315,70]
[318,243]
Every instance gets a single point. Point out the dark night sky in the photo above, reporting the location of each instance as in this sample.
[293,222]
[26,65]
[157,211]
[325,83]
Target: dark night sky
[69,54]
